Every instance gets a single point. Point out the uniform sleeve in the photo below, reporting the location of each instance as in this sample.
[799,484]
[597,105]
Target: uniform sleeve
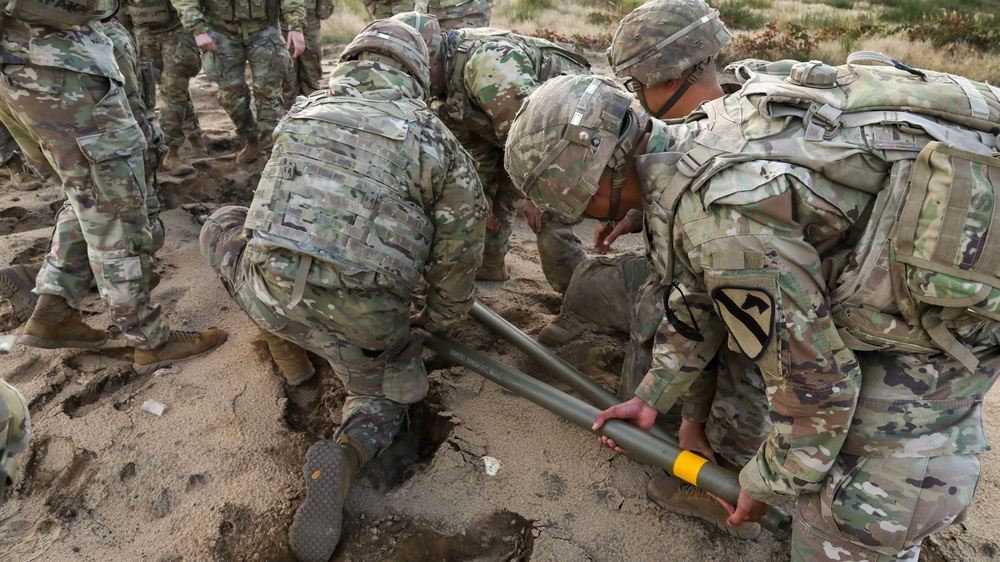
[192,16]
[498,76]
[458,211]
[756,273]
[293,14]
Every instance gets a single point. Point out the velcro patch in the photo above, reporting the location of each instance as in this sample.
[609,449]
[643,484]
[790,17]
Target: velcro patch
[749,315]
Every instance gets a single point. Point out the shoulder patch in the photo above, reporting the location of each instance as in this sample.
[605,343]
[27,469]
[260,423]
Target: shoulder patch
[748,313]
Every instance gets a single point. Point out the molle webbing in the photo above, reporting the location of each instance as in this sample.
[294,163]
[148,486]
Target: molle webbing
[335,189]
[61,14]
[150,12]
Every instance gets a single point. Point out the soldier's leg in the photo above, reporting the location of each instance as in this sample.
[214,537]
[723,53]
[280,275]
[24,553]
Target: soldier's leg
[880,510]
[559,250]
[305,76]
[181,62]
[227,68]
[270,62]
[95,147]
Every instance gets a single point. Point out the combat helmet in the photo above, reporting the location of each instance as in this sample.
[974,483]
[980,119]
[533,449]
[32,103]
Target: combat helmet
[15,431]
[660,40]
[567,132]
[429,28]
[395,40]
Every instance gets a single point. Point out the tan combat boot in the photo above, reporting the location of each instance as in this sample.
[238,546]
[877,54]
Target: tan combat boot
[677,496]
[198,148]
[291,359]
[178,347]
[55,324]
[176,165]
[564,328]
[16,283]
[330,468]
[493,268]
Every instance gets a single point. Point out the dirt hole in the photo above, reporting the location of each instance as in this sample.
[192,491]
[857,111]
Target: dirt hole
[502,535]
[416,443]
[103,383]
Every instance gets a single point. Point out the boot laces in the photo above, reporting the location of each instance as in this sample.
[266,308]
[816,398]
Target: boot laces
[181,335]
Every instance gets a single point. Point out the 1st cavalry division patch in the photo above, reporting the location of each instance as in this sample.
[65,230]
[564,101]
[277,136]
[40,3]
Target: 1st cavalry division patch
[749,316]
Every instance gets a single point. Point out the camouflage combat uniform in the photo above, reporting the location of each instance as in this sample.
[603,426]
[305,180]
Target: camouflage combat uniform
[875,468]
[346,295]
[63,99]
[621,293]
[485,76]
[451,14]
[172,51]
[305,74]
[245,31]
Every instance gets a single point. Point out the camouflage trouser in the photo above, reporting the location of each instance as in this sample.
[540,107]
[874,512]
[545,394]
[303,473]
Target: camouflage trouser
[175,55]
[621,293]
[880,510]
[306,72]
[269,61]
[359,327]
[472,13]
[559,248]
[78,127]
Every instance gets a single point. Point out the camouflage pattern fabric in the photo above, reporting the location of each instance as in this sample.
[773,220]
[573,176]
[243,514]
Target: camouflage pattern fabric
[15,433]
[62,100]
[478,102]
[757,283]
[621,293]
[351,316]
[306,72]
[175,56]
[269,64]
[244,32]
[451,14]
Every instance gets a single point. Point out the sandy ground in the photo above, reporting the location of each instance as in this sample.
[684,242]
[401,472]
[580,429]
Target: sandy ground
[217,475]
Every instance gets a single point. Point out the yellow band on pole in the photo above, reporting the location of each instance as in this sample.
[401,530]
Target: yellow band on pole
[687,466]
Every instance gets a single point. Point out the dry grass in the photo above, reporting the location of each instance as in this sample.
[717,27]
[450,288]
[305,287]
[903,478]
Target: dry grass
[572,17]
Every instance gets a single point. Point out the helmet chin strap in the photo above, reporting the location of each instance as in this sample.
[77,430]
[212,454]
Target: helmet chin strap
[627,140]
[695,75]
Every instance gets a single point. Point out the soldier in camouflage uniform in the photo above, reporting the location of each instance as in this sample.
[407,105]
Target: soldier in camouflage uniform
[751,257]
[63,100]
[17,281]
[173,53]
[15,433]
[365,193]
[231,33]
[724,418]
[306,73]
[450,14]
[479,78]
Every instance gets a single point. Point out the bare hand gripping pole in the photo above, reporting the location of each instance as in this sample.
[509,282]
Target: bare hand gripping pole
[642,445]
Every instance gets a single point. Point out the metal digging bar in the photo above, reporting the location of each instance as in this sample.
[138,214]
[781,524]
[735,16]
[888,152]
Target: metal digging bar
[555,365]
[641,445]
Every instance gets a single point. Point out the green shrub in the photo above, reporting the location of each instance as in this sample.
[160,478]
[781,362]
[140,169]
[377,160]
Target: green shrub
[790,41]
[739,14]
[524,10]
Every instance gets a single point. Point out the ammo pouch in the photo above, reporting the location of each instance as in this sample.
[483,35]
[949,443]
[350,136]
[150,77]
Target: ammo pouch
[61,14]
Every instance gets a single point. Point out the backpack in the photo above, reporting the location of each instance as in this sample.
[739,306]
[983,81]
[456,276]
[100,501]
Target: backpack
[926,261]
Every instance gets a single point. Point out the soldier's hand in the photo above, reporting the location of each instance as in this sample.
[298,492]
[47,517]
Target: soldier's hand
[205,42]
[296,43]
[691,437]
[636,412]
[533,215]
[604,235]
[747,509]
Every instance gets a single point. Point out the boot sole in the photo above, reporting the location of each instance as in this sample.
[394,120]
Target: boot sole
[33,341]
[146,369]
[315,529]
[21,299]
